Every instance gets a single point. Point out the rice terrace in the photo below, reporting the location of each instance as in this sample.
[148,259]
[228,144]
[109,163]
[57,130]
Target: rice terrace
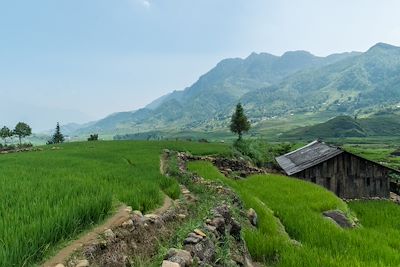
[149,133]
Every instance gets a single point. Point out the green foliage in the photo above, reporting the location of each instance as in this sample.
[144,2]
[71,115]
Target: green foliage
[50,196]
[5,133]
[259,151]
[58,137]
[93,137]
[22,130]
[239,122]
[299,206]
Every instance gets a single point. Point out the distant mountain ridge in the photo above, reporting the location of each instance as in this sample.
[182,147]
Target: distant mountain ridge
[271,86]
[346,126]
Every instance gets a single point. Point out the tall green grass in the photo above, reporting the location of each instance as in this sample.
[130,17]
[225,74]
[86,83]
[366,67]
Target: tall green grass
[50,196]
[299,205]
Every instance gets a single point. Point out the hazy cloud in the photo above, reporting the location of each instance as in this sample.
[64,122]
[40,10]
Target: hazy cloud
[145,3]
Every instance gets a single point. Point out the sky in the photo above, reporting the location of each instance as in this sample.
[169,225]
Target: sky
[81,60]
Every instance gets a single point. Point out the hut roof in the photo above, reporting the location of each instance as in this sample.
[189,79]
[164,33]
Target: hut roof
[307,156]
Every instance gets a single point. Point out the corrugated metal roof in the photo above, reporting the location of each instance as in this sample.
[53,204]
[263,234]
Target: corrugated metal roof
[307,156]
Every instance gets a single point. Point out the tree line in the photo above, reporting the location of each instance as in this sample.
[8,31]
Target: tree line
[21,130]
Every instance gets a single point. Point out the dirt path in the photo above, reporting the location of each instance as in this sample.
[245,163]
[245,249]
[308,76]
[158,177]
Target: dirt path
[117,219]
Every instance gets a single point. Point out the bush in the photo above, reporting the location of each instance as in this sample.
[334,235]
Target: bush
[93,137]
[259,151]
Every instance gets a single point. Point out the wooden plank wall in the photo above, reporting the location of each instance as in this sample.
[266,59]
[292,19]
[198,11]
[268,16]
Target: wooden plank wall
[349,176]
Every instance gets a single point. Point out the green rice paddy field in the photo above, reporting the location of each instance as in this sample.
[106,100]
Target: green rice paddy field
[291,209]
[50,196]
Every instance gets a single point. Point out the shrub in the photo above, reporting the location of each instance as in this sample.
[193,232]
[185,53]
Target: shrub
[259,151]
[93,137]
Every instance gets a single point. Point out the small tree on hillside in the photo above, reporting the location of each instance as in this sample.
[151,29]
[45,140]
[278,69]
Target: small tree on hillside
[5,133]
[239,122]
[93,137]
[22,130]
[58,137]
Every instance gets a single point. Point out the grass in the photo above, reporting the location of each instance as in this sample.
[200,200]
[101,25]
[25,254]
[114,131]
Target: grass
[297,206]
[378,153]
[50,196]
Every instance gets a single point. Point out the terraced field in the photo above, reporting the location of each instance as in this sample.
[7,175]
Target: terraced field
[50,196]
[293,232]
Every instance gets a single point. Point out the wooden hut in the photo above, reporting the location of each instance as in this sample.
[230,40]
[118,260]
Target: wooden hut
[347,175]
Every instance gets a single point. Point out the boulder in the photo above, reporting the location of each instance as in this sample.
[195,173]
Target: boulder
[252,216]
[338,217]
[60,265]
[179,256]
[204,250]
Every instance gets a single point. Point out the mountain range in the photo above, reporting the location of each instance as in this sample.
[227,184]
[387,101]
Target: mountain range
[270,86]
[384,124]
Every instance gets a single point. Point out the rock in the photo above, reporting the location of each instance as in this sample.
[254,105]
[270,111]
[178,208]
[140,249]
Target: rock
[137,217]
[224,211]
[82,263]
[338,217]
[199,232]
[109,233]
[138,213]
[182,257]
[252,216]
[235,229]
[192,239]
[204,250]
[151,218]
[60,265]
[181,216]
[248,262]
[219,224]
[210,228]
[170,264]
[185,191]
[128,209]
[127,224]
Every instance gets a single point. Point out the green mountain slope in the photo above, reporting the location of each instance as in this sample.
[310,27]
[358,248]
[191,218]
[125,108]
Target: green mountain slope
[358,84]
[296,83]
[345,126]
[208,101]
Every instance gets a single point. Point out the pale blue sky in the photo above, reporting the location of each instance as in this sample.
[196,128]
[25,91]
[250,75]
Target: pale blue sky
[78,60]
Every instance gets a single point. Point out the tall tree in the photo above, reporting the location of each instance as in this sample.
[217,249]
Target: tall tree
[58,137]
[239,122]
[5,133]
[22,130]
